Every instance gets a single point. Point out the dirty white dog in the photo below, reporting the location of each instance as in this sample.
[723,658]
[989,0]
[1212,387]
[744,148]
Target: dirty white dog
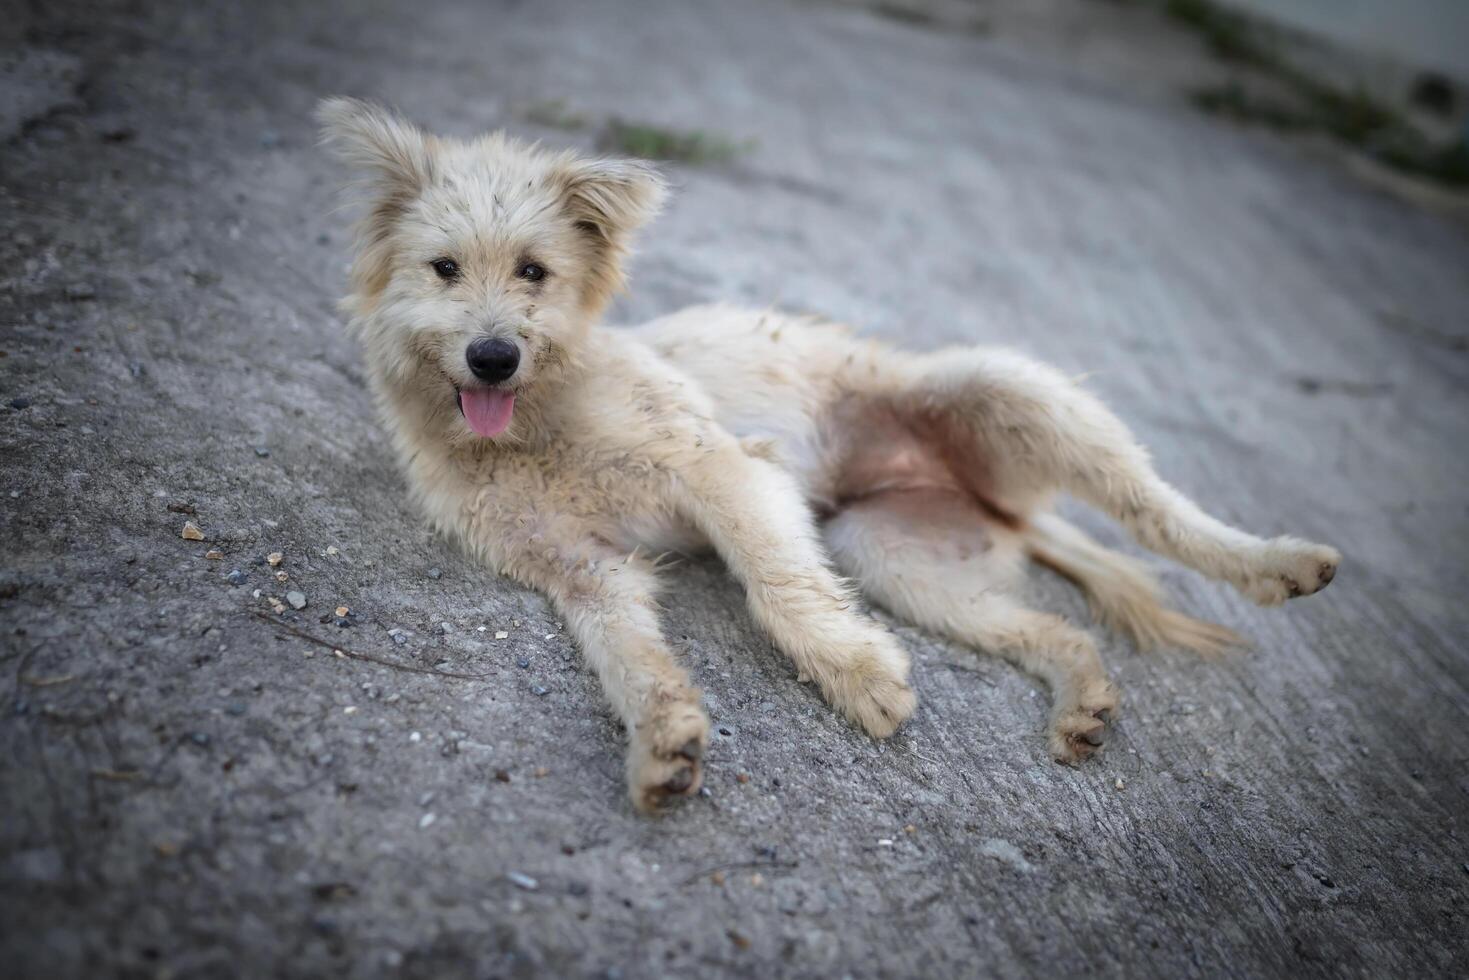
[569,456]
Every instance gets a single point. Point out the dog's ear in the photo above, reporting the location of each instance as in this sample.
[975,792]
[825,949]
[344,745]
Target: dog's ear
[395,155]
[613,197]
[396,159]
[609,200]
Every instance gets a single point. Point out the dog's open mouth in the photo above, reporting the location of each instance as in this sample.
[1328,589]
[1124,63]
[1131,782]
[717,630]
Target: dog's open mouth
[487,410]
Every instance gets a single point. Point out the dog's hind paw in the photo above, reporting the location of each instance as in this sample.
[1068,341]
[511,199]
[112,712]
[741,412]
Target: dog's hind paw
[1287,568]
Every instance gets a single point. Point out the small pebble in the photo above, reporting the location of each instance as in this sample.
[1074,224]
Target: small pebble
[522,881]
[235,708]
[262,452]
[351,709]
[435,573]
[415,737]
[539,691]
[275,558]
[237,577]
[522,663]
[743,777]
[281,576]
[717,877]
[501,635]
[332,551]
[502,775]
[214,554]
[342,610]
[757,879]
[1119,784]
[426,821]
[296,599]
[884,842]
[199,738]
[540,772]
[19,403]
[191,532]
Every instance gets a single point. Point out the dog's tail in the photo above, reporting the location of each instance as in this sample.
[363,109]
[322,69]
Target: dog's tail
[1123,594]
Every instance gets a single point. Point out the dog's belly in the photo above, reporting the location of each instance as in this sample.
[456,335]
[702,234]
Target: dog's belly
[770,379]
[656,534]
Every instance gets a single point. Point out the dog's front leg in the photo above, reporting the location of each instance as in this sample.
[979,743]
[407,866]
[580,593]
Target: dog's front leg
[609,607]
[757,518]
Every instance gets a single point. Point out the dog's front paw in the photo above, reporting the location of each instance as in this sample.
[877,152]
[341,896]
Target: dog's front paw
[1289,567]
[872,688]
[1080,728]
[664,757]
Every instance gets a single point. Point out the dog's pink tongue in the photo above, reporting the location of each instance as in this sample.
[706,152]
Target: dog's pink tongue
[487,410]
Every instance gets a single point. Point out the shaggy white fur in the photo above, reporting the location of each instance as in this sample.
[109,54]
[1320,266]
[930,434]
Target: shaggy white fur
[782,441]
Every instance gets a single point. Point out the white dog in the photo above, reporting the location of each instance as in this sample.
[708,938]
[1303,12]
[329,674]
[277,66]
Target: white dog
[567,455]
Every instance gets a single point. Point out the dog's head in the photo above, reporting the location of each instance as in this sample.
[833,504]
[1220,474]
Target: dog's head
[480,264]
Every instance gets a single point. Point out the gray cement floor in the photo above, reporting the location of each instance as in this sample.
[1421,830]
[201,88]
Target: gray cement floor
[193,790]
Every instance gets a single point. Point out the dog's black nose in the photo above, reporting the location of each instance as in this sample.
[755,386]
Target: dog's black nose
[492,359]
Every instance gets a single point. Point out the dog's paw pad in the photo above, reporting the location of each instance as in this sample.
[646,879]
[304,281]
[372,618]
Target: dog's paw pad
[680,782]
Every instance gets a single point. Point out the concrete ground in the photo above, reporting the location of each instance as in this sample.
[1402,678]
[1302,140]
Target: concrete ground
[194,785]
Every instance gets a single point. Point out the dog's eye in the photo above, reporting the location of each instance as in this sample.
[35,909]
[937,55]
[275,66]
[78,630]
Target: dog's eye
[531,272]
[447,269]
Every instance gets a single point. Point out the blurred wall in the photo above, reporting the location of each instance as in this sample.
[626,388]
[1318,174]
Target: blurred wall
[1422,33]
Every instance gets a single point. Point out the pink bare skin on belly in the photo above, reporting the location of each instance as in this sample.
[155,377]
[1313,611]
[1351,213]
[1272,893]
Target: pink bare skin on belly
[888,449]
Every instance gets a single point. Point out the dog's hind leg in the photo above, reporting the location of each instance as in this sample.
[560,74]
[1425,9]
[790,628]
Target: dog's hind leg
[1016,430]
[932,557]
[1122,592]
